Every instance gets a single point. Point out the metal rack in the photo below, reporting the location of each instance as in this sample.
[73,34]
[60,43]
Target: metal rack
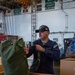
[33,20]
[2,24]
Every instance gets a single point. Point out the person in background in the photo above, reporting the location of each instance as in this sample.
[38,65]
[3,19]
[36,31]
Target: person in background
[49,51]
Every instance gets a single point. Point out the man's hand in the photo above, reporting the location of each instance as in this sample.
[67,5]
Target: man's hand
[26,49]
[39,48]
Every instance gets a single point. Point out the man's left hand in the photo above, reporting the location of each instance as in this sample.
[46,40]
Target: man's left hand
[39,48]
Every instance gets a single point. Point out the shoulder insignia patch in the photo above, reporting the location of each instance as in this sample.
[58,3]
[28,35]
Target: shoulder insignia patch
[55,46]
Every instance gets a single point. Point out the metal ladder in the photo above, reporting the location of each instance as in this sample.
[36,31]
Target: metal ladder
[33,20]
[2,23]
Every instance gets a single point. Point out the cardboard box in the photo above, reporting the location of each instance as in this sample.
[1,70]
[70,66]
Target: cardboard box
[67,66]
[1,68]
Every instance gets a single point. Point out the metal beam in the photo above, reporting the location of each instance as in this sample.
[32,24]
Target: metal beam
[4,8]
[6,5]
[2,0]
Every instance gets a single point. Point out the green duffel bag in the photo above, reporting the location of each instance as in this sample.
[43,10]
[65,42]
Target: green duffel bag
[14,59]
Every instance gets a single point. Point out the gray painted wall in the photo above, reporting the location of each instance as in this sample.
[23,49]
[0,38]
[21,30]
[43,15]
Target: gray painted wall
[21,24]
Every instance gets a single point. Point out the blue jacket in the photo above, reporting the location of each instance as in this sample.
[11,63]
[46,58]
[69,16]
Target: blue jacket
[51,53]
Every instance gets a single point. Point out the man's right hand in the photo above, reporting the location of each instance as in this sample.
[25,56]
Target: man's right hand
[26,49]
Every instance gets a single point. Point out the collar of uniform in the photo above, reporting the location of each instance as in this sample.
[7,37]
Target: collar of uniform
[47,44]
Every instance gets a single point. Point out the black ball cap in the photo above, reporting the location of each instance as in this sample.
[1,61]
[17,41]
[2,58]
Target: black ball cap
[42,29]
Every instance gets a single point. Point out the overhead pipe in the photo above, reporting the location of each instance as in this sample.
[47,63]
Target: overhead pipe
[68,1]
[66,15]
[62,32]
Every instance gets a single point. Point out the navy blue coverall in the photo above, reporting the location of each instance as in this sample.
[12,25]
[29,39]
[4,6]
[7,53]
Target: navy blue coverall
[46,58]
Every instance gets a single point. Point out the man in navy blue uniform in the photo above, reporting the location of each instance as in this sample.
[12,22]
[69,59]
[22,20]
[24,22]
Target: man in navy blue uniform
[48,49]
